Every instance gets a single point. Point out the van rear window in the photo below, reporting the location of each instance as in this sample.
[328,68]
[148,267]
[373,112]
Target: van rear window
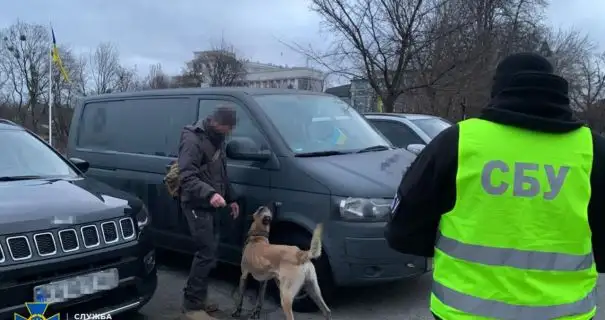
[143,126]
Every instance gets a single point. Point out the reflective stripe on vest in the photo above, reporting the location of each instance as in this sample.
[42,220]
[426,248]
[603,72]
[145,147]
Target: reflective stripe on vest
[522,259]
[500,310]
[517,243]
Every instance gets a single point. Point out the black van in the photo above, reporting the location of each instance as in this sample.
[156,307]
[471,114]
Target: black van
[310,153]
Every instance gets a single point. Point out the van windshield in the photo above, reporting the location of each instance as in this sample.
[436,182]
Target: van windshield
[319,124]
[25,157]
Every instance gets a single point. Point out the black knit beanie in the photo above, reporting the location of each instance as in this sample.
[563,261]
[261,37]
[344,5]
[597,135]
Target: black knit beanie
[527,72]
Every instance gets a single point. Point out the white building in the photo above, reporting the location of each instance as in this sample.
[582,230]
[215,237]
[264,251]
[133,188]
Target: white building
[262,75]
[267,75]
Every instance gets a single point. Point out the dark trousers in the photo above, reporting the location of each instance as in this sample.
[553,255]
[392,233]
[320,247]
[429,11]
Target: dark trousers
[205,236]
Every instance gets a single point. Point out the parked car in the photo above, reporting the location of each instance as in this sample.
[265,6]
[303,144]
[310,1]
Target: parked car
[66,239]
[410,131]
[310,154]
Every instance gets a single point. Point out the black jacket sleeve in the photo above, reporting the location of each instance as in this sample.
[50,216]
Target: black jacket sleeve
[427,190]
[190,160]
[596,207]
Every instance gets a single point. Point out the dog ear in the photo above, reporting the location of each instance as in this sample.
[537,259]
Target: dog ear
[271,206]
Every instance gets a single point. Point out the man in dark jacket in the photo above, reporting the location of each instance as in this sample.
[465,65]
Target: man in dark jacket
[529,101]
[204,189]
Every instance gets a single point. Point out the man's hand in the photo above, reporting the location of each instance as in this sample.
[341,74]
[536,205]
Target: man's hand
[234,210]
[217,201]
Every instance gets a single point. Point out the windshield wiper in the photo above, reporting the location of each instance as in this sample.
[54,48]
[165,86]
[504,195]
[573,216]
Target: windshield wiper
[379,147]
[320,154]
[17,178]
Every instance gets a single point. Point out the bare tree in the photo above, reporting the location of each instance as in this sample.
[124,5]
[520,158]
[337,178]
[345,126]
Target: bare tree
[382,41]
[126,79]
[223,66]
[193,75]
[156,79]
[587,90]
[24,52]
[104,68]
[81,76]
[219,67]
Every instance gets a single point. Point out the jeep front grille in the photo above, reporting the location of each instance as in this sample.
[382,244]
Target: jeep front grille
[127,227]
[110,232]
[69,240]
[19,248]
[41,245]
[90,234]
[45,243]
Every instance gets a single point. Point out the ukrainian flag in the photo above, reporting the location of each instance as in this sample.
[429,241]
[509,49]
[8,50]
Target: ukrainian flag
[338,137]
[56,58]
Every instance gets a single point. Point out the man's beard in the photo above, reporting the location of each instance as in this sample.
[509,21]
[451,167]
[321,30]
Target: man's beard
[215,137]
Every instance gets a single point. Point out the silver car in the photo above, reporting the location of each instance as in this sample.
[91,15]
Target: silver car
[410,131]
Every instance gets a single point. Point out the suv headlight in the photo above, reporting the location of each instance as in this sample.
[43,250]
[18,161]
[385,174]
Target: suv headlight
[364,209]
[143,218]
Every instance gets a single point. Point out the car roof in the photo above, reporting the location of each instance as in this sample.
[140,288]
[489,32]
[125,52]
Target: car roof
[207,91]
[9,125]
[411,116]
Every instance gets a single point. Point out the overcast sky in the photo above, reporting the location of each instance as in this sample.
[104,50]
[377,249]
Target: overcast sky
[151,31]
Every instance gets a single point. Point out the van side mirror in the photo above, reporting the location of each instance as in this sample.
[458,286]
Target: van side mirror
[242,148]
[82,165]
[415,148]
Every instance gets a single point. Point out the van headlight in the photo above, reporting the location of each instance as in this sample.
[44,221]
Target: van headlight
[143,218]
[364,209]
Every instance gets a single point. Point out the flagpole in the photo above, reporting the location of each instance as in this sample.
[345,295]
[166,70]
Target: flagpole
[50,89]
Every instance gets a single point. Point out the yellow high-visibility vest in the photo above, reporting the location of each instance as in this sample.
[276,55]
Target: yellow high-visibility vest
[517,244]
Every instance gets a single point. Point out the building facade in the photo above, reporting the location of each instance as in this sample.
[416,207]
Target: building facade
[262,75]
[265,75]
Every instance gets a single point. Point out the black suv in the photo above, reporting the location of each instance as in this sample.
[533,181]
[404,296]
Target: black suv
[65,239]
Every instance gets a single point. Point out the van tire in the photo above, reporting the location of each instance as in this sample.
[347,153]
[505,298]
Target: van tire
[302,239]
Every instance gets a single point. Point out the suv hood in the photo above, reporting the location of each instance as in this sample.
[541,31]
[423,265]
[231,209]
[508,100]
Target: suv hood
[368,175]
[45,204]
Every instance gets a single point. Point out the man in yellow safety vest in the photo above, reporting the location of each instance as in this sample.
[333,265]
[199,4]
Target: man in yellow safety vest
[509,204]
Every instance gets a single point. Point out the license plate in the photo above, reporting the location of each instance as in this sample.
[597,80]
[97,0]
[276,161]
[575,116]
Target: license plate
[72,288]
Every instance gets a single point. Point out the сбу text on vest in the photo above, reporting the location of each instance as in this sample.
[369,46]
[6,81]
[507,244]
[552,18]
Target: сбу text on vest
[517,244]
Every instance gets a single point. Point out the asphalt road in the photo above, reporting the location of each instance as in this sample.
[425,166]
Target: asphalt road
[404,300]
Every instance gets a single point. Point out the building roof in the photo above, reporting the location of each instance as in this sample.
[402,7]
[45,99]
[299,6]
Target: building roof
[343,91]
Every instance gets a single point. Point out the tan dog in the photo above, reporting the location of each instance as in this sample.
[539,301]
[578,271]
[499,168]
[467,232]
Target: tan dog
[288,265]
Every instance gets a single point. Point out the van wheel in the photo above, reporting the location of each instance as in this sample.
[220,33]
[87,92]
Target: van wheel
[302,301]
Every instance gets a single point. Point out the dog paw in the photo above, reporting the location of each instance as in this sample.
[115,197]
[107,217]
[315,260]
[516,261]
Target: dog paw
[255,315]
[237,314]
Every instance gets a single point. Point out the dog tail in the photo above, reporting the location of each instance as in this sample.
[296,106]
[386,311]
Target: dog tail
[315,247]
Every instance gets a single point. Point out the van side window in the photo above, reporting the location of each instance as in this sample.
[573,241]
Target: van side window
[245,125]
[149,126]
[398,133]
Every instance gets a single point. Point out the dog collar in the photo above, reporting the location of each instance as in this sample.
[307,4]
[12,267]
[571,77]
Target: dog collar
[263,234]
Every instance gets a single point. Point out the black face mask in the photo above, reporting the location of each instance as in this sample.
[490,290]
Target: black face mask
[215,137]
